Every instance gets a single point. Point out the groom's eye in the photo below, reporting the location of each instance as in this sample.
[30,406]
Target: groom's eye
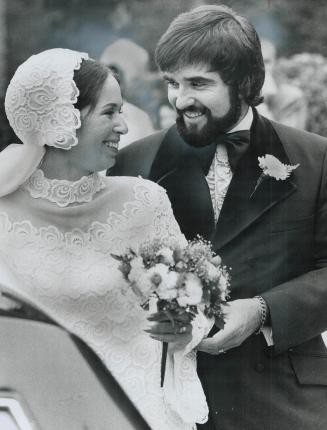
[172,83]
[198,83]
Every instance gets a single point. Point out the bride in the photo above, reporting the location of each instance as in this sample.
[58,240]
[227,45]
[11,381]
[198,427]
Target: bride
[60,221]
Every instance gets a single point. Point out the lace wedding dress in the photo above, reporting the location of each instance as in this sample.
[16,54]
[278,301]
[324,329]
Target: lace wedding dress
[56,240]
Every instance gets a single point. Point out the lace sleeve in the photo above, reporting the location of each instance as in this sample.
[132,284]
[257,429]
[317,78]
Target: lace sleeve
[163,223]
[165,217]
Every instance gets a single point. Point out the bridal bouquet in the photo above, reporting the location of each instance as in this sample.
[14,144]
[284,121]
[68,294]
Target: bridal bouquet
[181,280]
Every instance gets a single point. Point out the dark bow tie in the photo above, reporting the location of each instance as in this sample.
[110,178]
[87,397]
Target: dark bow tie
[236,144]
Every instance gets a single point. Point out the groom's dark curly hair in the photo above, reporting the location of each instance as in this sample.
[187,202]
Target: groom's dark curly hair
[215,36]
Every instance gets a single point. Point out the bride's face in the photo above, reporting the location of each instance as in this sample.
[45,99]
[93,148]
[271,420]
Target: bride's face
[101,127]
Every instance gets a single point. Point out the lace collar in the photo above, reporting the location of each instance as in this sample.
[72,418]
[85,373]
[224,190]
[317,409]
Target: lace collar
[63,192]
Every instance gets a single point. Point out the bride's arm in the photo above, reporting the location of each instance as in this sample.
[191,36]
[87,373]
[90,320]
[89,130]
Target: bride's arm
[184,335]
[166,226]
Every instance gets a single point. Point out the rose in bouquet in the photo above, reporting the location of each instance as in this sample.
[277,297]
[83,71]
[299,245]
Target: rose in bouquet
[183,280]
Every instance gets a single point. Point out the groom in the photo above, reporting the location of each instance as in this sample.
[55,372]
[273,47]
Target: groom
[267,369]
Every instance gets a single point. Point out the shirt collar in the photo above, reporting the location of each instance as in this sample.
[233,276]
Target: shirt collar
[245,124]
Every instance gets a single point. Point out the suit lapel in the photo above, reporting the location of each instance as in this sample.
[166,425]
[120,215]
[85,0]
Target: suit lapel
[177,169]
[168,156]
[240,210]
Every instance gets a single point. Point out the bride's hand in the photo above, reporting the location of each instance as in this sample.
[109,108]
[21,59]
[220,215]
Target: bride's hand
[177,332]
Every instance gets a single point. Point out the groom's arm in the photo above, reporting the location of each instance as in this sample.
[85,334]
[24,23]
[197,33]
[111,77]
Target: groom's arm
[298,307]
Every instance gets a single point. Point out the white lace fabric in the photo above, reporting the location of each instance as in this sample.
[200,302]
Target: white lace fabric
[60,259]
[63,192]
[40,99]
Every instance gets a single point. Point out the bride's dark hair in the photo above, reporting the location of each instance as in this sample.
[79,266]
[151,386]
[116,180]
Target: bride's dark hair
[89,79]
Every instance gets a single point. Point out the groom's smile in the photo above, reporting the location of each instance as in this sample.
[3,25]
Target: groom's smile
[193,118]
[192,114]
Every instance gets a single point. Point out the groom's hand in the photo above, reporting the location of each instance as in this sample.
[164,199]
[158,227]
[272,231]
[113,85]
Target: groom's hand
[242,318]
[177,333]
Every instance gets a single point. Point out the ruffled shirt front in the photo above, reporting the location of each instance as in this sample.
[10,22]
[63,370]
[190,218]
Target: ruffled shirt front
[218,179]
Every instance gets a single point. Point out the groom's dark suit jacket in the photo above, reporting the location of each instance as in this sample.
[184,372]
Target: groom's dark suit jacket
[276,244]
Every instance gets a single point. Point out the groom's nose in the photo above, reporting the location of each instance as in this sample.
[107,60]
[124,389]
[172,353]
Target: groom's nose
[181,99]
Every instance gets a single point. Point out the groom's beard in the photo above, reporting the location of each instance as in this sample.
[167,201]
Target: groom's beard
[214,127]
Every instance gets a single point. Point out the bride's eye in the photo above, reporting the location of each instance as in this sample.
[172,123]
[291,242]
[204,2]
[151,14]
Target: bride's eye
[110,113]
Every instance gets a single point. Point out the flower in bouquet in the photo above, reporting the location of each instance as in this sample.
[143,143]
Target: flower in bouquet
[166,256]
[190,294]
[167,287]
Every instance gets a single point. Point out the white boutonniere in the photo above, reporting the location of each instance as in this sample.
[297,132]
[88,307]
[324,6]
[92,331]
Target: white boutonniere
[273,168]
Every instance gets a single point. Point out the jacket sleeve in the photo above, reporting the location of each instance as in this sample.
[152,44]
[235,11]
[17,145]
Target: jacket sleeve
[298,307]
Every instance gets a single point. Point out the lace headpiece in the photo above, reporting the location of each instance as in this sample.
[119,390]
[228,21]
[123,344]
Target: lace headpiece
[40,99]
[40,108]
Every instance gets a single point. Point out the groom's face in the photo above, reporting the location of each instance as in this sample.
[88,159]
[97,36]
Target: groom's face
[204,104]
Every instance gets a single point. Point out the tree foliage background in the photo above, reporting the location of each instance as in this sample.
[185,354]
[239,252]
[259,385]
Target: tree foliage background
[295,26]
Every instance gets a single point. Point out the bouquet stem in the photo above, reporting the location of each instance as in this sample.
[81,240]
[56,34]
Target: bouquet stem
[163,362]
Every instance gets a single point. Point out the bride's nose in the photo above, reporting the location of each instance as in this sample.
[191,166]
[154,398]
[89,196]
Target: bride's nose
[120,125]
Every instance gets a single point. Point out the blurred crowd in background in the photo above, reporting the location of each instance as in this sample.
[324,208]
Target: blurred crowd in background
[123,35]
